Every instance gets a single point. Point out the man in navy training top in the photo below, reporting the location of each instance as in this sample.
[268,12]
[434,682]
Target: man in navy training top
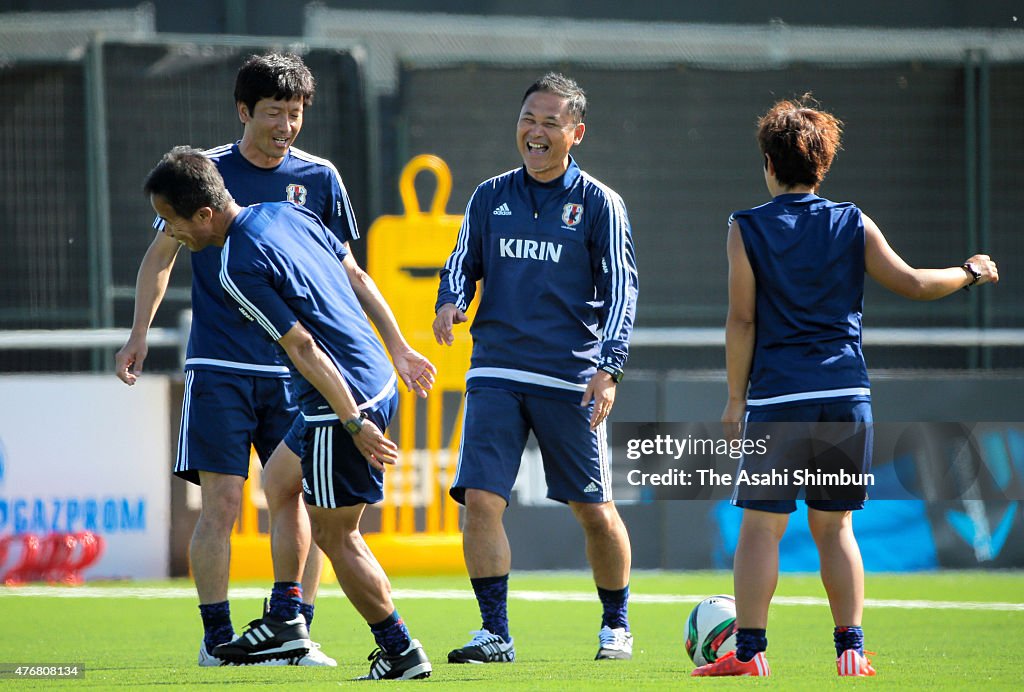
[794,360]
[550,340]
[283,269]
[236,392]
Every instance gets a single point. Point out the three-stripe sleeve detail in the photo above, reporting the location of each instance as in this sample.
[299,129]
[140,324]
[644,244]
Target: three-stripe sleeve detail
[236,293]
[456,275]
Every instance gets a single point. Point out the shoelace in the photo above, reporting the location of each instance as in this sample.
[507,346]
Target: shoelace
[251,626]
[866,654]
[610,638]
[377,667]
[484,637]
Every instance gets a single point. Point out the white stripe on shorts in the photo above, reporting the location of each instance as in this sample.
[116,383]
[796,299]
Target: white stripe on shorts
[329,475]
[318,445]
[603,461]
[323,467]
[181,462]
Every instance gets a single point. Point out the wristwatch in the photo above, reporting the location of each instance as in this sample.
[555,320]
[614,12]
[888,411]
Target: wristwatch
[354,425]
[975,274]
[615,372]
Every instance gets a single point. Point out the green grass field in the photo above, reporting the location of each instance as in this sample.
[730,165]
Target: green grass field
[149,637]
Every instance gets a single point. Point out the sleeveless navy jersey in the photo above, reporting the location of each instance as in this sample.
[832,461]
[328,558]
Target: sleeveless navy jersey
[281,265]
[219,340]
[807,254]
[559,282]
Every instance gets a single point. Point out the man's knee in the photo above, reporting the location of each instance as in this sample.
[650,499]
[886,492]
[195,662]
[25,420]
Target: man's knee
[282,479]
[322,532]
[282,494]
[222,498]
[334,527]
[600,517]
[484,505]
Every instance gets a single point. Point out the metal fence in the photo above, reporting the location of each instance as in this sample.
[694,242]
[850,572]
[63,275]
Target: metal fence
[80,138]
[934,152]
[678,144]
[932,146]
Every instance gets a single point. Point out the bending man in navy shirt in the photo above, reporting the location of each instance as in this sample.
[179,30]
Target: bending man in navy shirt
[236,388]
[550,341]
[282,269]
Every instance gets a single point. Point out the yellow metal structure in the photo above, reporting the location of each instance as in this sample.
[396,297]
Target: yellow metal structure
[250,548]
[419,530]
[419,522]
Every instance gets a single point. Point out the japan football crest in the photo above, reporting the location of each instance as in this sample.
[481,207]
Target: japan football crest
[571,214]
[296,193]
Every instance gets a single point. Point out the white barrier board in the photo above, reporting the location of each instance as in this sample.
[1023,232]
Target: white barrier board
[88,453]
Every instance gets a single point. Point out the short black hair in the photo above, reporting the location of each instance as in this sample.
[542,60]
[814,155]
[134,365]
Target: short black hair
[278,76]
[560,85]
[188,180]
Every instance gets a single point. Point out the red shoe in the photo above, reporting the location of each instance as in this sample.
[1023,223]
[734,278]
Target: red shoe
[851,663]
[730,665]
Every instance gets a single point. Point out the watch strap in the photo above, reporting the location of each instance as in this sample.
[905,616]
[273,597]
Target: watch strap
[972,272]
[615,372]
[354,425]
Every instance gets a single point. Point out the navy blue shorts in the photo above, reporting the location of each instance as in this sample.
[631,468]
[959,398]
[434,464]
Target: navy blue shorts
[223,415]
[334,472]
[295,439]
[805,442]
[496,426]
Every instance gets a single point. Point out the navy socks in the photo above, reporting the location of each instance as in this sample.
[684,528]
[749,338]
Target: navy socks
[307,612]
[848,638]
[616,604]
[391,634]
[216,624]
[749,642]
[492,596]
[285,599]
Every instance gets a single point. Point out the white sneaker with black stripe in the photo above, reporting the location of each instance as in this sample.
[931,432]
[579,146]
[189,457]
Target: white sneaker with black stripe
[616,644]
[484,647]
[411,664]
[208,660]
[267,639]
[313,657]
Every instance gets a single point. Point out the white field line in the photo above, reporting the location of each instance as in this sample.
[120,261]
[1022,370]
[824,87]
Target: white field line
[466,595]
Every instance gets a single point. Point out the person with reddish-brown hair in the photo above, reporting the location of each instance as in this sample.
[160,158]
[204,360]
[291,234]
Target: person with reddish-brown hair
[794,360]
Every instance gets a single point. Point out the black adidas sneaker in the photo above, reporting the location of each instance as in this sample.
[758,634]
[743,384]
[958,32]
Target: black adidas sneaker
[267,639]
[411,664]
[484,647]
